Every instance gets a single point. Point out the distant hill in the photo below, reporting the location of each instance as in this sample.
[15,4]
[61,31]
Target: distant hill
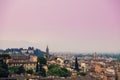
[17,46]
[4,44]
[38,52]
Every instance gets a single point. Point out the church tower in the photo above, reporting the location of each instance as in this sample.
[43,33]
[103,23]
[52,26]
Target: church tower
[95,56]
[47,52]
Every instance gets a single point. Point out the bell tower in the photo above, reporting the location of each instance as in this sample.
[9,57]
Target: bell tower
[47,52]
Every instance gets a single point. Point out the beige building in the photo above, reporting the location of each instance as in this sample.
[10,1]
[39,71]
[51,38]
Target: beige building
[24,51]
[28,62]
[31,51]
[60,61]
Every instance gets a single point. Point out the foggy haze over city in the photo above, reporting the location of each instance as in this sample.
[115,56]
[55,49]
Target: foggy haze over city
[65,26]
[59,39]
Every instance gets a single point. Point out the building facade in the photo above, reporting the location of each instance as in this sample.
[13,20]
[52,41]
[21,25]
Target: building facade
[28,62]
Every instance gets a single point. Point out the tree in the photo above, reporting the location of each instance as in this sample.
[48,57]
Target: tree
[3,72]
[65,72]
[11,70]
[3,64]
[5,56]
[14,69]
[42,71]
[3,69]
[30,71]
[39,68]
[42,60]
[76,65]
[21,70]
[54,70]
[81,73]
[52,66]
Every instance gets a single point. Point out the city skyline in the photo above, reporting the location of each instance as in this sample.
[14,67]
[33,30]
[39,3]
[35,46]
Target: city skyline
[72,26]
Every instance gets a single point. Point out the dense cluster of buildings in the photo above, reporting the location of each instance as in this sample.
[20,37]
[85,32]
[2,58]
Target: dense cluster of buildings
[96,68]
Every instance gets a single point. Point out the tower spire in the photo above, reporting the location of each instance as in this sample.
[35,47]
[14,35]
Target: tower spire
[47,52]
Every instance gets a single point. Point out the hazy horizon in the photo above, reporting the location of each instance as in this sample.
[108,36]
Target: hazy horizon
[65,25]
[5,44]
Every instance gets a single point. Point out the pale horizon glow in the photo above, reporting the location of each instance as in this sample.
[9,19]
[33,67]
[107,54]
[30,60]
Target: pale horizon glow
[63,25]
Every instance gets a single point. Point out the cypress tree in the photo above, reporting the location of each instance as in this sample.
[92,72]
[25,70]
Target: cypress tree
[76,64]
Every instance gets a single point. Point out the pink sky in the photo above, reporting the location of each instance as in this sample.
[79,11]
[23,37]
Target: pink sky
[65,25]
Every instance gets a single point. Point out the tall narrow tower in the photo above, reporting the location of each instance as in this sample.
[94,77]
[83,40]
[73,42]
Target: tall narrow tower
[47,52]
[95,56]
